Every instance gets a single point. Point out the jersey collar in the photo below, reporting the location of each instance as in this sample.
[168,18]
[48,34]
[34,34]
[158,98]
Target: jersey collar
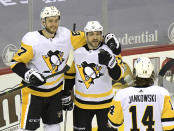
[86,46]
[40,32]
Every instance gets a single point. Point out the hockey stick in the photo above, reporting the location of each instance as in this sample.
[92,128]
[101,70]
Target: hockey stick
[66,112]
[66,68]
[74,27]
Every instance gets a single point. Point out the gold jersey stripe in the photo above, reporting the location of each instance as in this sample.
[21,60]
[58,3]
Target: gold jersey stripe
[87,106]
[94,95]
[168,128]
[43,94]
[25,103]
[53,82]
[69,77]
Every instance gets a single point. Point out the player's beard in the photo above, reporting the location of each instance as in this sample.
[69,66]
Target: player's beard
[49,31]
[93,45]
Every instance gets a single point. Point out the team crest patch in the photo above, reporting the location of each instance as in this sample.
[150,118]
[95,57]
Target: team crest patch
[53,60]
[89,72]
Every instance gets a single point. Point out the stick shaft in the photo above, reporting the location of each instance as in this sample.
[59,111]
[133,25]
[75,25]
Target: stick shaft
[66,112]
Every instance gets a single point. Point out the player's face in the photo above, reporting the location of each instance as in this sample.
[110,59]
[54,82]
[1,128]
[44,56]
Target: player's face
[51,24]
[94,39]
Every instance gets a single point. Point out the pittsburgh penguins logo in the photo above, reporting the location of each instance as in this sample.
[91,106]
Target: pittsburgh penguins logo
[88,73]
[53,60]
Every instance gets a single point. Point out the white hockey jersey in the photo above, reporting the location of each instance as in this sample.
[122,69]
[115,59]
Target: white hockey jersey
[142,109]
[93,85]
[47,56]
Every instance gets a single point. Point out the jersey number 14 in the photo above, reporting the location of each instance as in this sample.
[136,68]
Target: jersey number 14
[147,118]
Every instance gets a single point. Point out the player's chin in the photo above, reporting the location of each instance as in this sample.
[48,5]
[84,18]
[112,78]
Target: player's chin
[53,30]
[95,44]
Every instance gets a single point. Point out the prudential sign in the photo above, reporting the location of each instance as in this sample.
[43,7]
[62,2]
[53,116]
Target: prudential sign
[144,37]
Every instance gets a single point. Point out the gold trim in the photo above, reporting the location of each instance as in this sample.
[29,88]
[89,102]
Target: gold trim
[168,127]
[25,97]
[94,95]
[43,94]
[53,82]
[87,106]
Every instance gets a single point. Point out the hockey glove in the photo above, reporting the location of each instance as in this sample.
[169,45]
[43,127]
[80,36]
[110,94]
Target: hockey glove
[112,42]
[67,103]
[105,58]
[34,78]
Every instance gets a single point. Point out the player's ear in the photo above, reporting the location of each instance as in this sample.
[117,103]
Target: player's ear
[103,39]
[43,23]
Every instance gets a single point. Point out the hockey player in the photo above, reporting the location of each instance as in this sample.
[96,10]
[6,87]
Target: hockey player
[143,107]
[43,53]
[95,67]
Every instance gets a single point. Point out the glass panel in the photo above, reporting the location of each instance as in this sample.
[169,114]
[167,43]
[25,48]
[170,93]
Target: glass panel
[141,22]
[72,11]
[13,23]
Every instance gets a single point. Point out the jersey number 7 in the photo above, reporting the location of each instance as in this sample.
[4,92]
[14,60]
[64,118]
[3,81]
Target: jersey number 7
[23,50]
[147,118]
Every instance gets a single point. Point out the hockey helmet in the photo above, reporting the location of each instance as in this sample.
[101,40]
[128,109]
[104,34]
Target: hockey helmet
[49,11]
[143,67]
[92,26]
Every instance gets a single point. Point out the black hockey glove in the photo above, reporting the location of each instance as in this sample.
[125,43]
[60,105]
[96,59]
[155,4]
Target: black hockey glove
[67,103]
[34,78]
[112,42]
[105,58]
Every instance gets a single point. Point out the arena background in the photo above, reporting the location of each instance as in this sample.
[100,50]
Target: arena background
[143,27]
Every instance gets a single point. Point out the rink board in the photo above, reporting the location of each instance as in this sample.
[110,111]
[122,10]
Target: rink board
[10,103]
